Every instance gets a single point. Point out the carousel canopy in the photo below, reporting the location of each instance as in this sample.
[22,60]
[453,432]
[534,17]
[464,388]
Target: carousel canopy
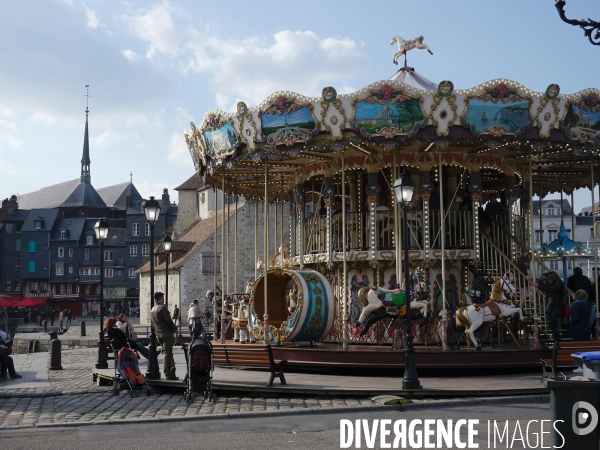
[563,246]
[499,128]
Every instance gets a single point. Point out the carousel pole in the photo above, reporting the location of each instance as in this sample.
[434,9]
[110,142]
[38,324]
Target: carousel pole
[536,317]
[227,247]
[443,245]
[276,219]
[222,335]
[281,240]
[266,246]
[256,232]
[344,280]
[235,248]
[215,247]
[595,245]
[398,242]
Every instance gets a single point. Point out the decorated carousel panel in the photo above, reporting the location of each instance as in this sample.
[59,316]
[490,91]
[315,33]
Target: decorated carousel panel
[300,306]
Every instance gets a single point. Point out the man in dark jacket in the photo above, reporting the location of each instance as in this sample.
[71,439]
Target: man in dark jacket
[165,332]
[579,281]
[580,317]
[555,291]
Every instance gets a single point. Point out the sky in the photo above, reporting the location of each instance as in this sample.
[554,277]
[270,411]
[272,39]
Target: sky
[154,66]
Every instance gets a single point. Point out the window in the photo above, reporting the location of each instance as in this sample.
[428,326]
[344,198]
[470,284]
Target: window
[537,236]
[552,235]
[17,284]
[9,227]
[553,265]
[86,253]
[145,250]
[63,234]
[61,252]
[70,253]
[71,269]
[31,246]
[147,229]
[135,229]
[133,250]
[37,224]
[208,263]
[108,273]
[569,265]
[18,245]
[62,289]
[69,288]
[119,272]
[18,263]
[108,255]
[19,226]
[89,240]
[60,269]
[8,283]
[31,266]
[131,272]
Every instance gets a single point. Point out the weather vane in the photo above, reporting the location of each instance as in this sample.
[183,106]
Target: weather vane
[87,94]
[591,27]
[404,46]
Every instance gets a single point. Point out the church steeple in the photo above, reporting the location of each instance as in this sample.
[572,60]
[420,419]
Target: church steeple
[85,158]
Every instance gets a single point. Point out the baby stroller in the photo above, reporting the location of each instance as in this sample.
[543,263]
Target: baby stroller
[199,373]
[127,373]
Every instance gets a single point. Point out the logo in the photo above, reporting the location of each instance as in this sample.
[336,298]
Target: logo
[584,418]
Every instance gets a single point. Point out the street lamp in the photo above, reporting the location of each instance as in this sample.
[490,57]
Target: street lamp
[167,246]
[404,188]
[152,211]
[101,231]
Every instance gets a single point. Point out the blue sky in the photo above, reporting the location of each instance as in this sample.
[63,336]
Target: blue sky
[154,66]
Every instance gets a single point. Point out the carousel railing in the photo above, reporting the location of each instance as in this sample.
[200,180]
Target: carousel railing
[458,226]
[315,234]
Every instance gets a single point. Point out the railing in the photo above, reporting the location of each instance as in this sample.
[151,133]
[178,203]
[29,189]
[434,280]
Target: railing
[458,227]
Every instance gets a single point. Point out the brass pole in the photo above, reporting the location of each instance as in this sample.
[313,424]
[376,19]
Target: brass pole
[266,264]
[344,261]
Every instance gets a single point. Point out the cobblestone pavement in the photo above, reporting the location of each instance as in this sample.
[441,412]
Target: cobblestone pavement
[104,408]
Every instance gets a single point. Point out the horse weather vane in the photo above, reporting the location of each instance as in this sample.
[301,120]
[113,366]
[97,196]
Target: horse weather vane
[591,27]
[404,46]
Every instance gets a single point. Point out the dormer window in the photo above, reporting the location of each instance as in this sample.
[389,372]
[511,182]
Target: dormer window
[89,240]
[63,234]
[37,224]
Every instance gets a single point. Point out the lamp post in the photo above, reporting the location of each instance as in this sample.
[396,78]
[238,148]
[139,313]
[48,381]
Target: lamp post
[167,246]
[101,231]
[152,211]
[404,188]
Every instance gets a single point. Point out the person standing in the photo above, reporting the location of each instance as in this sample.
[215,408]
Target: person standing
[554,289]
[523,264]
[165,332]
[580,317]
[579,281]
[195,320]
[61,318]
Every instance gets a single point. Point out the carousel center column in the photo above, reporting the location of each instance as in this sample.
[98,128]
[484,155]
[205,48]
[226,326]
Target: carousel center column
[511,196]
[372,190]
[300,199]
[328,197]
[425,190]
[474,189]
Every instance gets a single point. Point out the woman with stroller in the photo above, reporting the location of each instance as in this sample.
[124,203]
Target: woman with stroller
[125,326]
[195,320]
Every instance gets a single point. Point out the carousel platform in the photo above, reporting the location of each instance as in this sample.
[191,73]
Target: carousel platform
[373,372]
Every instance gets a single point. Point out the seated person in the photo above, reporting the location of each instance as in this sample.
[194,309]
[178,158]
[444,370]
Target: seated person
[6,361]
[124,325]
[118,339]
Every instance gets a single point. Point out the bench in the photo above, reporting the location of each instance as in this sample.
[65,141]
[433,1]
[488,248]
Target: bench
[561,356]
[248,356]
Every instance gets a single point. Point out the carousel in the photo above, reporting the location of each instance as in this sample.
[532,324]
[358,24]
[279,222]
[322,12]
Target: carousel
[331,293]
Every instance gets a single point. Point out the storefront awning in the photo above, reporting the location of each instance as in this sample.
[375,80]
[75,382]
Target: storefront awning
[30,302]
[91,298]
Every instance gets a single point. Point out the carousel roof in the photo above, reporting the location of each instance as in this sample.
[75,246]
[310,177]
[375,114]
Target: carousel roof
[500,127]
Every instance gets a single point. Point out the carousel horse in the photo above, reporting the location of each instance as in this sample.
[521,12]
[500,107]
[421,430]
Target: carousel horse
[473,316]
[404,46]
[242,332]
[377,300]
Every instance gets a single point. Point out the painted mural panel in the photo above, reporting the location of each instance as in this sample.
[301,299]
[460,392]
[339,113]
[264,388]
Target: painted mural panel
[288,126]
[373,117]
[221,142]
[487,116]
[582,122]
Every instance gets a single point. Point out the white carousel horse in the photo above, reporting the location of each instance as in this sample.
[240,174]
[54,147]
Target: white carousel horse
[377,303]
[243,333]
[473,316]
[509,292]
[404,46]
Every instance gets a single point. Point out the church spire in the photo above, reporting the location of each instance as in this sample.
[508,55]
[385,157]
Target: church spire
[85,158]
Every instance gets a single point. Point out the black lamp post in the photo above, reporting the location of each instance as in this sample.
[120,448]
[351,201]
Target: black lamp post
[152,210]
[101,231]
[404,188]
[167,247]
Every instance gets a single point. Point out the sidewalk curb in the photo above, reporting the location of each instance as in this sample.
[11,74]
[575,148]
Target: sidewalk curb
[303,411]
[57,393]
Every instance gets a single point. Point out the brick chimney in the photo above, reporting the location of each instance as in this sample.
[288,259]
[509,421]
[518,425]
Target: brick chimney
[10,205]
[166,200]
[127,201]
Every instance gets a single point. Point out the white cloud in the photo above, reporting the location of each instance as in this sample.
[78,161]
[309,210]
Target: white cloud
[111,138]
[92,18]
[131,55]
[178,150]
[156,28]
[9,134]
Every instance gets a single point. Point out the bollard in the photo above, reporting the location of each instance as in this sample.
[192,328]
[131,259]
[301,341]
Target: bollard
[45,325]
[55,363]
[53,335]
[82,328]
[39,322]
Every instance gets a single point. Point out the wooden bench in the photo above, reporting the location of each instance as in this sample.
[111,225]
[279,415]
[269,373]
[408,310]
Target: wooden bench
[561,356]
[248,356]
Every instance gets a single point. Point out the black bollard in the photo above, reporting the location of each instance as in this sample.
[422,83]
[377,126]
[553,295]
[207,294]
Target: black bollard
[39,322]
[45,325]
[53,335]
[82,328]
[55,348]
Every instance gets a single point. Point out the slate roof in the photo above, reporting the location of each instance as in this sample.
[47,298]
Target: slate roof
[67,194]
[49,217]
[84,195]
[196,235]
[74,228]
[565,205]
[193,183]
[115,196]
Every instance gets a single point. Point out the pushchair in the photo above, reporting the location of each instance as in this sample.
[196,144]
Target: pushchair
[127,373]
[199,370]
